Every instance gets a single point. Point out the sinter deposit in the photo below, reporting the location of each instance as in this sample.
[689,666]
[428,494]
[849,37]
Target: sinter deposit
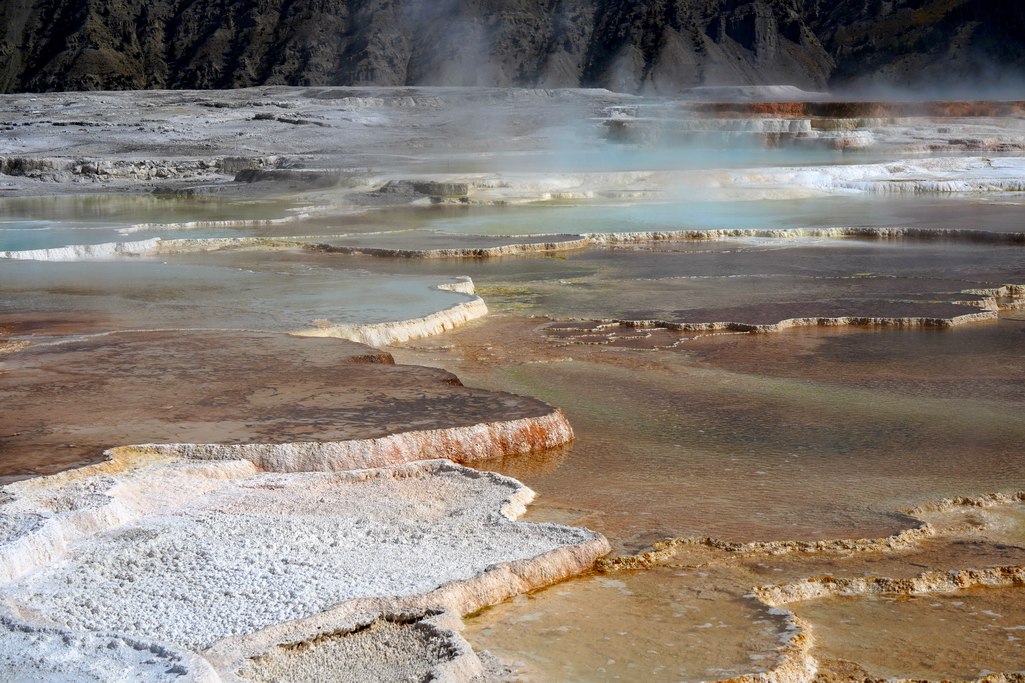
[325,404]
[195,276]
[190,554]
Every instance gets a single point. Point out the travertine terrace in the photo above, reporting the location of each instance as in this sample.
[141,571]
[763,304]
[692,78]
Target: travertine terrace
[284,402]
[185,563]
[950,522]
[252,343]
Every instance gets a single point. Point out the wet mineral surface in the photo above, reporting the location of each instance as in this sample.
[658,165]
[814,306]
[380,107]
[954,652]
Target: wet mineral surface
[787,338]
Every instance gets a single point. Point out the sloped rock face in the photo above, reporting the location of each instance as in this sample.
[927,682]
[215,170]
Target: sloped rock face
[963,45]
[654,46]
[661,47]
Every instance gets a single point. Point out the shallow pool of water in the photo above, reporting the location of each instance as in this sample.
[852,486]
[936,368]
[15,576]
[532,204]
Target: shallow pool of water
[965,635]
[51,222]
[661,625]
[998,213]
[216,291]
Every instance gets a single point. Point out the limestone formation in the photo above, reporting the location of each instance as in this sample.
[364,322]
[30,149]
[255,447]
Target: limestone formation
[318,404]
[928,582]
[383,334]
[228,560]
[486,247]
[470,444]
[796,662]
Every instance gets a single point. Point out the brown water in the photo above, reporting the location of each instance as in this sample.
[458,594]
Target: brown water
[966,635]
[868,420]
[660,625]
[811,433]
[677,443]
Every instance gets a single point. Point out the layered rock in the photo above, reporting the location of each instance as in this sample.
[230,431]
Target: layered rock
[470,444]
[894,233]
[927,582]
[463,246]
[777,317]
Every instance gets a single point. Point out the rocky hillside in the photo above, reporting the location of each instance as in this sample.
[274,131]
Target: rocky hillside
[654,46]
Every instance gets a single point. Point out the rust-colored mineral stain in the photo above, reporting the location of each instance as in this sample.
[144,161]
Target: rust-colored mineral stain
[50,324]
[66,403]
[857,110]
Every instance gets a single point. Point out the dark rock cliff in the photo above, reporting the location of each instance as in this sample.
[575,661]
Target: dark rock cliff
[964,46]
[656,46]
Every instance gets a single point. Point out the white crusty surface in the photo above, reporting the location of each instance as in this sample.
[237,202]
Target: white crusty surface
[50,655]
[258,550]
[383,334]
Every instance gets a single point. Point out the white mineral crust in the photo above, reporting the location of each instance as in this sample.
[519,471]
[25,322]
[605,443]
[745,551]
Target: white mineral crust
[189,554]
[38,655]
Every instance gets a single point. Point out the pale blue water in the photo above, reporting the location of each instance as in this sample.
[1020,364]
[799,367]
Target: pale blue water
[217,291]
[1002,213]
[52,222]
[20,235]
[58,222]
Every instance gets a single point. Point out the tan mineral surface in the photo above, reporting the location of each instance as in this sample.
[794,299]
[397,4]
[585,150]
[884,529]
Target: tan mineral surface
[331,404]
